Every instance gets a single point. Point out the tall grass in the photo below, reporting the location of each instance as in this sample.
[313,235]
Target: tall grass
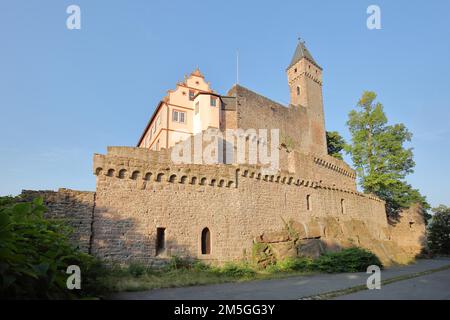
[179,272]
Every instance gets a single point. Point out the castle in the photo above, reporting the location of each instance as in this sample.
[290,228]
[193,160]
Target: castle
[147,208]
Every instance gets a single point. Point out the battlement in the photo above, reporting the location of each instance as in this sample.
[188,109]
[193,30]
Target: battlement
[143,165]
[336,165]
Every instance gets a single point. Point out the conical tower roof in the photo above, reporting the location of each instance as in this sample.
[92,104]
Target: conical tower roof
[302,52]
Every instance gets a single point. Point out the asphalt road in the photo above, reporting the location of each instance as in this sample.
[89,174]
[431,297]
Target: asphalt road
[434,286]
[305,286]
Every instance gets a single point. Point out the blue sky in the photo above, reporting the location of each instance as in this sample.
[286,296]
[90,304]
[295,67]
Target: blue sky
[67,94]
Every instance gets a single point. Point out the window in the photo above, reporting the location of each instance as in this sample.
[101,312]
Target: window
[213,101]
[298,90]
[158,120]
[308,202]
[295,70]
[157,145]
[178,116]
[206,241]
[342,206]
[150,134]
[175,116]
[197,107]
[154,128]
[191,94]
[160,240]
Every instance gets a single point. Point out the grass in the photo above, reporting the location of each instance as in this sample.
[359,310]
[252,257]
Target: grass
[127,280]
[179,272]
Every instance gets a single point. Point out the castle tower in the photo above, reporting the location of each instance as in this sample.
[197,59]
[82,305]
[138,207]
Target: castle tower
[305,84]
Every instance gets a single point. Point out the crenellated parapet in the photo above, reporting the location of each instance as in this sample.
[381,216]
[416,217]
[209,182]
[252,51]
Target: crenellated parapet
[336,165]
[154,172]
[142,165]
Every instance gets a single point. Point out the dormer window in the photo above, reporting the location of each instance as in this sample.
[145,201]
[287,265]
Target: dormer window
[213,101]
[191,95]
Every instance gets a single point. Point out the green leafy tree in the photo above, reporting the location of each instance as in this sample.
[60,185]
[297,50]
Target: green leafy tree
[335,144]
[379,154]
[439,230]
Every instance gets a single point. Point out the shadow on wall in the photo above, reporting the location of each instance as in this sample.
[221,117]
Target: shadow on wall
[75,207]
[102,233]
[123,240]
[126,240]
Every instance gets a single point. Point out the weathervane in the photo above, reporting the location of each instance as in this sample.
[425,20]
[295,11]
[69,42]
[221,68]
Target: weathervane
[300,40]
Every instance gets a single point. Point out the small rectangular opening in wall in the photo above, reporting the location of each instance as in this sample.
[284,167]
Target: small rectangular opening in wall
[160,240]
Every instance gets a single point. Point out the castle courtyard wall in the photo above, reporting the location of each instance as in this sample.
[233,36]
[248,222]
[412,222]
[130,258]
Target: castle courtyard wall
[76,208]
[139,191]
[236,203]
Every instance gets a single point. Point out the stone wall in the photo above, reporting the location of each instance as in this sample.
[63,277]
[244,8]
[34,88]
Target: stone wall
[75,207]
[137,193]
[297,124]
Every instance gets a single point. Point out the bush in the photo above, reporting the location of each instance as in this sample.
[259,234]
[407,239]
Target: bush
[439,231]
[294,264]
[237,270]
[176,263]
[200,266]
[347,260]
[137,270]
[35,253]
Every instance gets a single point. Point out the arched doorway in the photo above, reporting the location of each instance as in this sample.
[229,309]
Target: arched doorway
[206,241]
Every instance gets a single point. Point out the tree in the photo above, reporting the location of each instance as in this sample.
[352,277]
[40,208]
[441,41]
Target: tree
[439,230]
[380,157]
[335,144]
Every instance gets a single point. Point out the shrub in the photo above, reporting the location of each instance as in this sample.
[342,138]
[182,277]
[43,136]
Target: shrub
[348,260]
[35,253]
[294,264]
[237,270]
[177,263]
[137,269]
[439,231]
[200,266]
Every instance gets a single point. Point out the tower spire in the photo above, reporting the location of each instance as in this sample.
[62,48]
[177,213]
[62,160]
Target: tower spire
[302,52]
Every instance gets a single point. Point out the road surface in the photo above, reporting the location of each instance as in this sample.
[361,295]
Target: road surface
[299,287]
[434,286]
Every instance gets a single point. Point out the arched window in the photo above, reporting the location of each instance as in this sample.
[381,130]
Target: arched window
[206,241]
[135,175]
[298,90]
[122,173]
[308,202]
